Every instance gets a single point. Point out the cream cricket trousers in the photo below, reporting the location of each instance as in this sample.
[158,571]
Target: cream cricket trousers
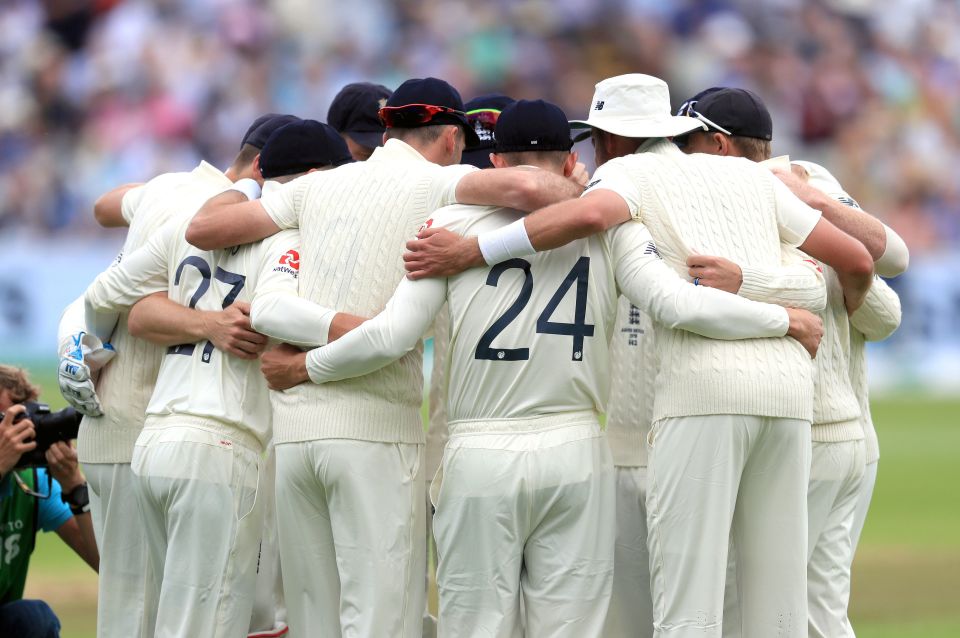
[720,477]
[269,614]
[860,517]
[525,517]
[197,495]
[352,525]
[631,606]
[836,478]
[123,551]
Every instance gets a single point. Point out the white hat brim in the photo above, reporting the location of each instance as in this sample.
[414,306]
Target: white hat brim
[668,126]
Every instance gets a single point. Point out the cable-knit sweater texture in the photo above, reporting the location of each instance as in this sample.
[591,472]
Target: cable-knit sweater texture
[354,223]
[726,207]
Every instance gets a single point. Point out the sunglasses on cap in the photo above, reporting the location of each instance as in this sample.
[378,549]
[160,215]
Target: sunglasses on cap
[687,110]
[486,117]
[411,115]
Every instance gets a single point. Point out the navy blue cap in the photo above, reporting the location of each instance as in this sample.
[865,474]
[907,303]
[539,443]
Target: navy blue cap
[435,92]
[532,125]
[263,126]
[732,111]
[299,146]
[483,126]
[353,112]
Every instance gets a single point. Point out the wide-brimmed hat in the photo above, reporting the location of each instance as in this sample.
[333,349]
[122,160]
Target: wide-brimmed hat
[635,105]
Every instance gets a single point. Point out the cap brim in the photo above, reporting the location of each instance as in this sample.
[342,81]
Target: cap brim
[370,139]
[667,126]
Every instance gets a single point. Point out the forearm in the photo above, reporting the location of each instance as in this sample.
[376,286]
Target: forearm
[291,319]
[229,219]
[108,209]
[160,320]
[863,227]
[675,303]
[795,285]
[385,338]
[880,314]
[525,189]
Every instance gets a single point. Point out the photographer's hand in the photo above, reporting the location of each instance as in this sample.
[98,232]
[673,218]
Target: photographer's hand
[64,466]
[15,438]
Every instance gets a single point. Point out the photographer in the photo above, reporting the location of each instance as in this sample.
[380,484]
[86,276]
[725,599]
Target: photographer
[32,499]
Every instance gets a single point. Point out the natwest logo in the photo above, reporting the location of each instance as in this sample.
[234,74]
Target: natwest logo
[291,258]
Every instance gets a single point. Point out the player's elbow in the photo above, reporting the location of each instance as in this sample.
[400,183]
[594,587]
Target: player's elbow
[136,323]
[592,221]
[105,212]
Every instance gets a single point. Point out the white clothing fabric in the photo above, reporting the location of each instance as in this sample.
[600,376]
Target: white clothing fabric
[123,552]
[732,208]
[198,502]
[557,306]
[226,393]
[269,608]
[125,386]
[525,515]
[745,474]
[836,475]
[356,220]
[631,604]
[353,556]
[859,518]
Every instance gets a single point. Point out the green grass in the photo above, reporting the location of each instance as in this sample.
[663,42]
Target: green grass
[906,575]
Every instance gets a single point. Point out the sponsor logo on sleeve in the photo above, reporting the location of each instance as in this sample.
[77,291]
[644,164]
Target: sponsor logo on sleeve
[651,249]
[816,264]
[591,185]
[289,263]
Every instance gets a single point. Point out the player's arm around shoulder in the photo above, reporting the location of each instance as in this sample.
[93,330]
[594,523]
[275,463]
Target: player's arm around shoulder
[238,216]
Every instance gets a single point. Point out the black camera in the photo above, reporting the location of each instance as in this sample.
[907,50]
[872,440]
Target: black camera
[49,427]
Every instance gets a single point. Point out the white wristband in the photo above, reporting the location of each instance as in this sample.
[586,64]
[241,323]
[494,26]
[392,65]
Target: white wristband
[248,187]
[505,243]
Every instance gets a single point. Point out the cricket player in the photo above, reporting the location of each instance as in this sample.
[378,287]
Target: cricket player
[740,125]
[354,114]
[107,436]
[196,464]
[710,402]
[524,496]
[361,441]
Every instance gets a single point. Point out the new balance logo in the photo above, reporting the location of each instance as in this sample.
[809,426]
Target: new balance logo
[598,106]
[651,249]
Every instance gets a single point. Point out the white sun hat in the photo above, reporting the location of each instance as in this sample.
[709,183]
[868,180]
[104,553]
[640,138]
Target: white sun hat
[635,105]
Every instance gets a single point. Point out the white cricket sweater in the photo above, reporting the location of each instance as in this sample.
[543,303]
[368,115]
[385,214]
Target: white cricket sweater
[875,320]
[530,337]
[633,370]
[733,208]
[354,222]
[126,384]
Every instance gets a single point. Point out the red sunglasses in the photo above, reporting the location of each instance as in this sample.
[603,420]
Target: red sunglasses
[410,115]
[486,117]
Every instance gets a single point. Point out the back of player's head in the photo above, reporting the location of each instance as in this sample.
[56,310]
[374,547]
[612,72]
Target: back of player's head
[423,103]
[737,113]
[483,112]
[301,146]
[533,132]
[256,136]
[354,112]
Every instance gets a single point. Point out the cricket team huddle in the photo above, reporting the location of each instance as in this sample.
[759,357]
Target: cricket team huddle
[251,374]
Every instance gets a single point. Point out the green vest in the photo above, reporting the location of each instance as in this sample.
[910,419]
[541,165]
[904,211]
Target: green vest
[18,531]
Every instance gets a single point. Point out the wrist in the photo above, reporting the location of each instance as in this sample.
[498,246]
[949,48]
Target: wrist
[77,498]
[248,187]
[505,243]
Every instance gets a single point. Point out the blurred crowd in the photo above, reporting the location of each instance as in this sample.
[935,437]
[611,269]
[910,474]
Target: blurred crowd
[94,93]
